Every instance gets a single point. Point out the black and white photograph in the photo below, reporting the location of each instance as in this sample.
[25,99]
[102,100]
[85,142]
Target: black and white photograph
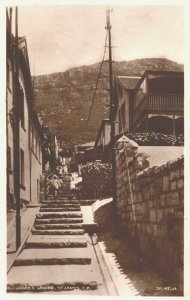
[94,142]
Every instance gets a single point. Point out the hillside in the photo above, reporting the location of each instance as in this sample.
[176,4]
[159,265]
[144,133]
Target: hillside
[63,99]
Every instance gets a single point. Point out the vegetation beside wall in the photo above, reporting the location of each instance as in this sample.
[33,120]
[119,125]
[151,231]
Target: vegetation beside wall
[156,139]
[96,180]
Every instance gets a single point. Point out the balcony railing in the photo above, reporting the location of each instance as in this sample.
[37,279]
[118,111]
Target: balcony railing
[165,102]
[156,103]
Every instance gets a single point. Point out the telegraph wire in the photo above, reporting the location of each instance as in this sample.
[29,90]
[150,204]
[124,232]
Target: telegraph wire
[97,81]
[78,40]
[74,66]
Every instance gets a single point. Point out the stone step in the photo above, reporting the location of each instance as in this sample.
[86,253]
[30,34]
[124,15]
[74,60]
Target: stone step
[59,215]
[59,209]
[57,205]
[58,238]
[61,202]
[59,221]
[59,197]
[52,287]
[46,275]
[58,226]
[56,257]
[58,232]
[55,244]
[87,202]
[52,261]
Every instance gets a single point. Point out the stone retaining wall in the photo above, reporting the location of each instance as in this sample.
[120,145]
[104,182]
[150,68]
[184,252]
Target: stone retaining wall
[152,216]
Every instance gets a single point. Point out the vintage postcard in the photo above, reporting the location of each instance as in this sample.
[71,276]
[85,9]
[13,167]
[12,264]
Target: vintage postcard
[95,136]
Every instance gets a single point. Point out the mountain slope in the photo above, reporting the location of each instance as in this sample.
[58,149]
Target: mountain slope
[63,99]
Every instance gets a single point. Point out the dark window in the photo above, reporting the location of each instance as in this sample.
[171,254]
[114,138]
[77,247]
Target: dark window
[38,190]
[9,157]
[166,85]
[39,156]
[36,150]
[122,121]
[32,138]
[21,167]
[21,108]
[8,75]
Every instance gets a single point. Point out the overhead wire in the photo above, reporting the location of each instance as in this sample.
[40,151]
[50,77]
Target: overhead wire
[124,148]
[76,39]
[79,91]
[97,81]
[75,65]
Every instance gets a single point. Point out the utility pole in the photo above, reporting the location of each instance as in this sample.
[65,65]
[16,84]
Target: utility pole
[16,136]
[112,121]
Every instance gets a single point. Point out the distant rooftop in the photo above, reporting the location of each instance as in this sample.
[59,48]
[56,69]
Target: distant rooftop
[128,82]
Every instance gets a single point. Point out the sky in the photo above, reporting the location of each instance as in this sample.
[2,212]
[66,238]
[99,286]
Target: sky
[65,36]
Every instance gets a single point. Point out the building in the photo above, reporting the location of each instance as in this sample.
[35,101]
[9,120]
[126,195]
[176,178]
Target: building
[101,145]
[30,131]
[158,103]
[153,102]
[124,93]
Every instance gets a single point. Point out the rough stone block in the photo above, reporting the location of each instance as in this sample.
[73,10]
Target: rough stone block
[169,210]
[135,198]
[158,184]
[162,200]
[152,190]
[144,208]
[155,230]
[160,215]
[162,230]
[180,183]
[166,183]
[153,215]
[181,196]
[137,208]
[139,197]
[147,193]
[179,216]
[148,230]
[173,185]
[173,199]
[156,201]
[174,174]
[150,204]
[143,218]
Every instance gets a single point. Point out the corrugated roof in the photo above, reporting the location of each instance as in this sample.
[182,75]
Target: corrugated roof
[129,83]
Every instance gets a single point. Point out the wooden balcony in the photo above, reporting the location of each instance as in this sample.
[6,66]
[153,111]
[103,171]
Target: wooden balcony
[159,104]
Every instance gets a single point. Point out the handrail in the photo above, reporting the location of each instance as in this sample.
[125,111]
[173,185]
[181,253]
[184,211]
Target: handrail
[170,102]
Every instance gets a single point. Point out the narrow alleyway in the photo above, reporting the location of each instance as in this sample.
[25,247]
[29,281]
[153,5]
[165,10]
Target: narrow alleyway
[59,256]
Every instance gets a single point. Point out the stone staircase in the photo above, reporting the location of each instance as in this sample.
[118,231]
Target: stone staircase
[57,256]
[66,184]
